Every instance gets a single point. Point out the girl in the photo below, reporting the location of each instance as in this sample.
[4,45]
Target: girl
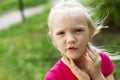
[71,29]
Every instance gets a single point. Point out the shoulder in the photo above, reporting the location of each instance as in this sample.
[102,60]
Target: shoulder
[55,72]
[105,57]
[51,75]
[103,54]
[107,65]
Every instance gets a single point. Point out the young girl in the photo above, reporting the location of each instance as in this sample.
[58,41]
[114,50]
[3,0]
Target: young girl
[71,29]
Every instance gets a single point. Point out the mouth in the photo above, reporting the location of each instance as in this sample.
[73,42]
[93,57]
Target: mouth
[72,49]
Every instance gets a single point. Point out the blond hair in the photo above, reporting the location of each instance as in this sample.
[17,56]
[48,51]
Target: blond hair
[68,6]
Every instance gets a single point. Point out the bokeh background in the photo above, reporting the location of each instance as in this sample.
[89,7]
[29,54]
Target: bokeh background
[26,51]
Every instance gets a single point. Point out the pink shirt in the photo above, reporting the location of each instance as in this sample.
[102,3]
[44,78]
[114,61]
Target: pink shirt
[61,72]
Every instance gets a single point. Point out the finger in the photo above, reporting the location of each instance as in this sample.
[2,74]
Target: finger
[93,51]
[72,63]
[94,54]
[88,46]
[88,63]
[91,55]
[67,61]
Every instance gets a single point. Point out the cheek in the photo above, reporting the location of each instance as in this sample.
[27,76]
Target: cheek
[84,39]
[59,44]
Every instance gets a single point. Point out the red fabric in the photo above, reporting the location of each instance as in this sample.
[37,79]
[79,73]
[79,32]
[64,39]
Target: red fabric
[106,64]
[61,72]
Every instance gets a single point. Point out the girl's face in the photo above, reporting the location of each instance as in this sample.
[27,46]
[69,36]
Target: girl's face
[70,34]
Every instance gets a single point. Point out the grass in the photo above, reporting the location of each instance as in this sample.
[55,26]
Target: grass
[26,52]
[117,70]
[8,5]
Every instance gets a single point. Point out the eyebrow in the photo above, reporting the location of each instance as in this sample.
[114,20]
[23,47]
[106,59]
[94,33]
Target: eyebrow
[79,26]
[75,27]
[58,30]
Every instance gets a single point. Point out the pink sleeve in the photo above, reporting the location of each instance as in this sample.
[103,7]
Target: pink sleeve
[107,66]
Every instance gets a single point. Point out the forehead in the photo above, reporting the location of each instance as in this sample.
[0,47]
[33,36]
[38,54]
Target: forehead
[68,19]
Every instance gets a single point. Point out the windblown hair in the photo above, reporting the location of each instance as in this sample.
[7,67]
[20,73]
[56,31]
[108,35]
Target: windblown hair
[70,7]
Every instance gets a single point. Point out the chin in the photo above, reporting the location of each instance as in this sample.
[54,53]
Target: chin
[76,57]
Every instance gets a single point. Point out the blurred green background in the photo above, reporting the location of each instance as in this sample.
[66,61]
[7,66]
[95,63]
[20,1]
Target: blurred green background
[26,51]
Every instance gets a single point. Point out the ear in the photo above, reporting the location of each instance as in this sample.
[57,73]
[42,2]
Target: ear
[91,32]
[92,29]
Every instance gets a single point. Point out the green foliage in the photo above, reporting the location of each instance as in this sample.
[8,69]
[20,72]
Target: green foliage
[25,50]
[113,45]
[29,3]
[7,5]
[102,8]
[117,70]
[109,41]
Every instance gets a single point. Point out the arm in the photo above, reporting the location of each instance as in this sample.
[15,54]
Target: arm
[110,77]
[80,74]
[101,77]
[94,71]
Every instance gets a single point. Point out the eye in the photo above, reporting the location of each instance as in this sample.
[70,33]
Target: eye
[78,30]
[60,33]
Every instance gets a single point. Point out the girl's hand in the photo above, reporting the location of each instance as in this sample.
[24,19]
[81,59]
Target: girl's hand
[92,63]
[80,74]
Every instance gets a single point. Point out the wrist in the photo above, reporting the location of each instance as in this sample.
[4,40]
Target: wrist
[98,76]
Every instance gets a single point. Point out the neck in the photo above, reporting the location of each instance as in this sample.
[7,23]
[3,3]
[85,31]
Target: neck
[79,62]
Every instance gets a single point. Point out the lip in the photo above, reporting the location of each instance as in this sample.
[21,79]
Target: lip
[72,48]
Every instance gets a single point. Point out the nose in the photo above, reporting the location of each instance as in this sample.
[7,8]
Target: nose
[70,38]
